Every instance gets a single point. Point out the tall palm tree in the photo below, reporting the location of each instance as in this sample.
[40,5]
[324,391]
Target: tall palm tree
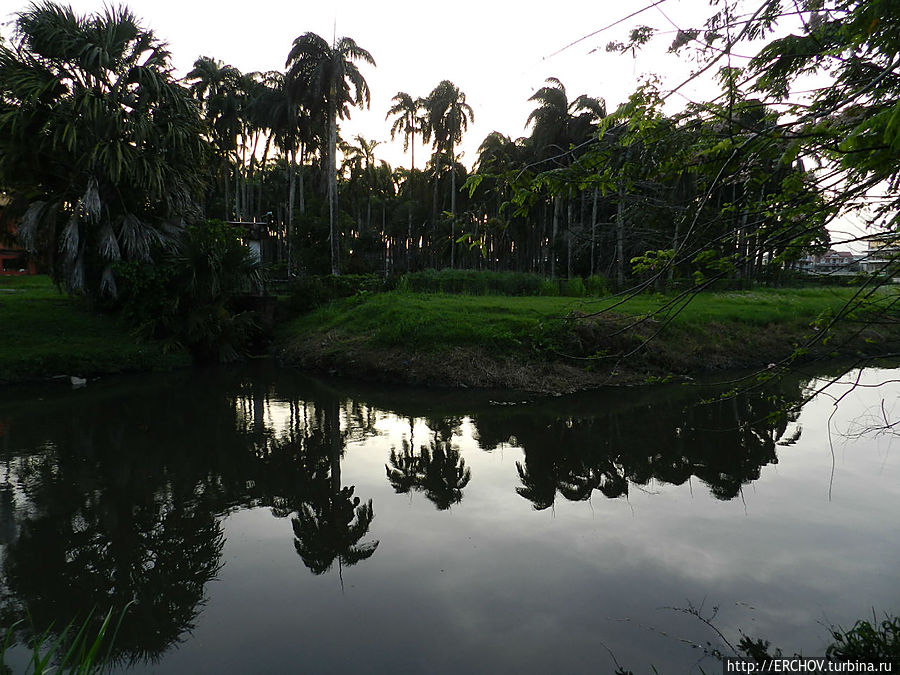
[101,149]
[407,121]
[558,123]
[219,89]
[557,131]
[327,78]
[447,116]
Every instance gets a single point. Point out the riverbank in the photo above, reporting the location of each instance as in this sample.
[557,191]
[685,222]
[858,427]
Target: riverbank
[560,345]
[537,343]
[46,334]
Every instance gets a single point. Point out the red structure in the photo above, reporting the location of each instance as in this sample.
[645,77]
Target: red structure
[13,258]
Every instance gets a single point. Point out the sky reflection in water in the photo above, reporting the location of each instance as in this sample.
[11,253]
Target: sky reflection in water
[267,522]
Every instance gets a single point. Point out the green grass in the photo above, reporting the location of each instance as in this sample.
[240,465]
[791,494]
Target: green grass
[435,321]
[73,651]
[753,308]
[46,333]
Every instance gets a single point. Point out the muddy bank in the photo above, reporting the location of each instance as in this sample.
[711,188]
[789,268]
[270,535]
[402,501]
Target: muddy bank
[592,354]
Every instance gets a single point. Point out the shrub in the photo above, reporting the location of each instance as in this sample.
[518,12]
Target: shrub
[573,288]
[476,282]
[596,286]
[314,291]
[188,298]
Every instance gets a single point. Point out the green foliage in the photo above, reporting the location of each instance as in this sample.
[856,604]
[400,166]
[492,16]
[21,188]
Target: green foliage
[73,651]
[188,299]
[652,261]
[867,641]
[471,282]
[312,291]
[596,286]
[474,282]
[101,150]
[548,287]
[574,288]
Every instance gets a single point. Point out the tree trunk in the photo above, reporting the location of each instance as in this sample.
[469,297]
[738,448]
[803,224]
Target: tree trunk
[302,204]
[290,211]
[557,207]
[620,240]
[434,205]
[569,239]
[452,211]
[332,194]
[408,236]
[594,231]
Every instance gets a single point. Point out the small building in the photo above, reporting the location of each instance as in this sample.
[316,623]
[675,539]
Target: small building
[882,253]
[831,262]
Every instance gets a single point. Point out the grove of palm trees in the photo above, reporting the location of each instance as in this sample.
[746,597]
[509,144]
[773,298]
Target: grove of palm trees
[110,164]
[105,151]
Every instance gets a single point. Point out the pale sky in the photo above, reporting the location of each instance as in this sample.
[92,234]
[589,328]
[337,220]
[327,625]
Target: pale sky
[498,53]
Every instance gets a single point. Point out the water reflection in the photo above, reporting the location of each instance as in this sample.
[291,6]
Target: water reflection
[723,443]
[118,493]
[437,469]
[106,513]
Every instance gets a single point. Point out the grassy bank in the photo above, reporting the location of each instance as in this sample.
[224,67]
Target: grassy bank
[561,344]
[45,333]
[537,343]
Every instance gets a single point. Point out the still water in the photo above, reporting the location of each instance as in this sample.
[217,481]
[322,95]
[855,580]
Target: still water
[265,522]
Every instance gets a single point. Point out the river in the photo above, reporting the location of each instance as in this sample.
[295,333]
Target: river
[262,521]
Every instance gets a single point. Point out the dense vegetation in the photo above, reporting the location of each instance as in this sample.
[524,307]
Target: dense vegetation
[109,163]
[103,151]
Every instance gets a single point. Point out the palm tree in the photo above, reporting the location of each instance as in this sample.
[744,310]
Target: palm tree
[290,129]
[557,132]
[219,89]
[408,122]
[102,151]
[447,116]
[327,79]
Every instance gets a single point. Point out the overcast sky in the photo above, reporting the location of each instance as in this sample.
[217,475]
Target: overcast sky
[498,53]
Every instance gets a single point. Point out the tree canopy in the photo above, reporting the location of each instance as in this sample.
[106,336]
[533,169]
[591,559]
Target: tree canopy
[100,146]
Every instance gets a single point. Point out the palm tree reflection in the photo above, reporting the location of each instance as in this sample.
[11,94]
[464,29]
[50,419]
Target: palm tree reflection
[437,469]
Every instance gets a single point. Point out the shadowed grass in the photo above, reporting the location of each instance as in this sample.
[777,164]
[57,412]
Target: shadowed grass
[564,344]
[434,321]
[44,333]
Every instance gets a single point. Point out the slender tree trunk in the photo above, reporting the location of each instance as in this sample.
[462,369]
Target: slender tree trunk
[557,207]
[386,243]
[452,211]
[290,211]
[302,205]
[594,231]
[620,240]
[238,174]
[262,165]
[408,237]
[569,239]
[227,215]
[434,205]
[332,194]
